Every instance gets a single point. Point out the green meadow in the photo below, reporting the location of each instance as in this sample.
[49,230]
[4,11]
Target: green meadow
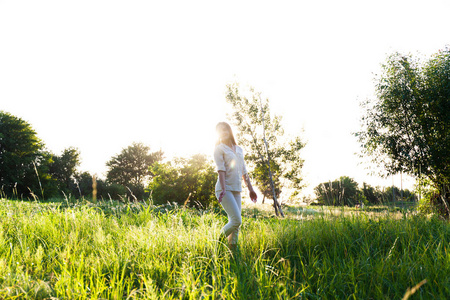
[112,250]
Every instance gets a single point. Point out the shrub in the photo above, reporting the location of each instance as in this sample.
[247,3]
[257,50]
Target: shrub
[434,201]
[184,180]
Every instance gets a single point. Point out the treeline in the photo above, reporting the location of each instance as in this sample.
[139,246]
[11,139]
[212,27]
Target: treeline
[404,128]
[346,191]
[28,171]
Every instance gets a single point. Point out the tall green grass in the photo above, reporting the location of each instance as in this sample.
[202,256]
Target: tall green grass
[125,251]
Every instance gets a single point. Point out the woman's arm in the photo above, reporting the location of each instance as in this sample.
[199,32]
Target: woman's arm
[222,184]
[253,195]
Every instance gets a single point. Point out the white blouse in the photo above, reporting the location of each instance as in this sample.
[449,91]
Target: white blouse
[233,165]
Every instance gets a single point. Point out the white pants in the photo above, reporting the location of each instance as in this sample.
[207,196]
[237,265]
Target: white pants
[231,203]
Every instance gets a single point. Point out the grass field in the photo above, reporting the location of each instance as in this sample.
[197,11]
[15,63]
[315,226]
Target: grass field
[125,251]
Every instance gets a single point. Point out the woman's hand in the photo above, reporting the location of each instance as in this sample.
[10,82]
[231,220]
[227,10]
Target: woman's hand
[253,195]
[222,193]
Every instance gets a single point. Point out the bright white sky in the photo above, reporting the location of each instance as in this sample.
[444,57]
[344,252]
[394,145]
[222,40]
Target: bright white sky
[99,75]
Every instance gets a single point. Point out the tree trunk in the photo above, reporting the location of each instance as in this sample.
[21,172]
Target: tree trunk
[276,205]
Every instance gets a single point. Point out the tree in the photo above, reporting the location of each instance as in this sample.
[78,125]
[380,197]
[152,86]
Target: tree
[188,181]
[252,118]
[21,153]
[407,127]
[131,166]
[64,168]
[371,194]
[343,191]
[105,190]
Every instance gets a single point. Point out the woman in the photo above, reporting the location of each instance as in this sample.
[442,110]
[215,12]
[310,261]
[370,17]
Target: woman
[229,159]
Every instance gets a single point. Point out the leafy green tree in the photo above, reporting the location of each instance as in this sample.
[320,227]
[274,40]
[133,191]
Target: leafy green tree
[82,185]
[378,195]
[21,153]
[260,175]
[393,193]
[371,194]
[407,127]
[189,181]
[343,191]
[63,169]
[131,166]
[47,186]
[251,116]
[105,190]
[431,201]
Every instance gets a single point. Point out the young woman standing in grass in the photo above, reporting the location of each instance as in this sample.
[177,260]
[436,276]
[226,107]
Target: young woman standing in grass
[229,159]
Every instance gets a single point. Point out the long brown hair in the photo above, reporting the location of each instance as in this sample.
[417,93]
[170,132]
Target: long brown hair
[228,127]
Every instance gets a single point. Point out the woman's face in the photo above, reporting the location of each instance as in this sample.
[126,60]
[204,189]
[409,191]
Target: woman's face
[223,132]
